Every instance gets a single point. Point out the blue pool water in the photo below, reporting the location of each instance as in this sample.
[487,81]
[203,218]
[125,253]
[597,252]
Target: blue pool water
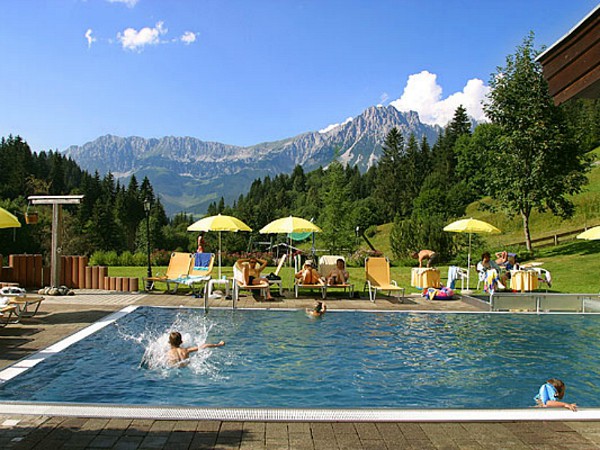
[343,360]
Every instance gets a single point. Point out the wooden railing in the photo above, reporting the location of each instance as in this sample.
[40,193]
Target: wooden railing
[553,239]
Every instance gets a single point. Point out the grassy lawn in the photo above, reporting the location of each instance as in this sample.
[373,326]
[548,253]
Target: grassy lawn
[575,268]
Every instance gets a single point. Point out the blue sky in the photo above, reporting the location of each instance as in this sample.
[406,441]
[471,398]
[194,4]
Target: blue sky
[248,71]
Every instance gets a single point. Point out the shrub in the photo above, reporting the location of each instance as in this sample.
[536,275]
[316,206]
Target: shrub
[126,259]
[140,259]
[102,258]
[160,257]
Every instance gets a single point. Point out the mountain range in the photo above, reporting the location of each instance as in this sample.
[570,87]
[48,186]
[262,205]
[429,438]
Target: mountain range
[188,173]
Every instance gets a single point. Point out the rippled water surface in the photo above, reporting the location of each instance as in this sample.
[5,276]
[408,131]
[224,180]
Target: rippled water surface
[342,360]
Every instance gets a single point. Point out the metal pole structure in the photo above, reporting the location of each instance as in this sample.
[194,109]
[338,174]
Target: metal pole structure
[56,201]
[469,263]
[219,255]
[56,249]
[147,206]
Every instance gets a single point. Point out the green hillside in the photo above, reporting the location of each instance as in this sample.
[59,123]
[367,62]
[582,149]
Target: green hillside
[574,264]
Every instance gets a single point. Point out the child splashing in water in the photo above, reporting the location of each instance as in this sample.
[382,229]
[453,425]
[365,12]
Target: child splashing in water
[179,356]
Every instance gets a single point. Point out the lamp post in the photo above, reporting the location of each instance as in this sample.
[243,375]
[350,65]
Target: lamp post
[147,206]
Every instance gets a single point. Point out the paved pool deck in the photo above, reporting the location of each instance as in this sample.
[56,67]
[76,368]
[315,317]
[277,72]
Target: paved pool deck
[60,317]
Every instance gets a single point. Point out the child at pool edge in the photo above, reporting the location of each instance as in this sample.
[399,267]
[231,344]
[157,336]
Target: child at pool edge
[550,393]
[178,354]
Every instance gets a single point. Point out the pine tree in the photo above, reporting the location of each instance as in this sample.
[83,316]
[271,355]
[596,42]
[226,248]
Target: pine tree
[389,181]
[338,231]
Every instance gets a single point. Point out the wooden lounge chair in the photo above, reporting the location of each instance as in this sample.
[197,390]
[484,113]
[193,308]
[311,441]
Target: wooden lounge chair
[379,277]
[200,271]
[179,265]
[326,264]
[6,313]
[240,283]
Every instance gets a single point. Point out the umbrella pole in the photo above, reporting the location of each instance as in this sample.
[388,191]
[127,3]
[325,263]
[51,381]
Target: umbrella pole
[219,255]
[469,263]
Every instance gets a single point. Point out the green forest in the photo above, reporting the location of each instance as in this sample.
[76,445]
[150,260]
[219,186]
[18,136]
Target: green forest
[532,156]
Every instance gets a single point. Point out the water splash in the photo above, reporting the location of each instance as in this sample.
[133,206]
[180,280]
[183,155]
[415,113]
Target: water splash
[194,328]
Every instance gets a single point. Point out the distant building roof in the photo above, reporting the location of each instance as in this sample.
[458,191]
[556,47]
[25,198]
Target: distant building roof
[572,64]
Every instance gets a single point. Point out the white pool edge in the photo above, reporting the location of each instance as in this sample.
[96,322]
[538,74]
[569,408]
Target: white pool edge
[297,415]
[27,363]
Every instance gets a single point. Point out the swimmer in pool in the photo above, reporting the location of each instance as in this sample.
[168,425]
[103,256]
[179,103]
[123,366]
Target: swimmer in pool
[551,393]
[178,356]
[318,310]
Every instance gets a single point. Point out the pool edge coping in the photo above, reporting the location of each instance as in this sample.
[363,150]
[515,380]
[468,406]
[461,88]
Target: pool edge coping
[296,414]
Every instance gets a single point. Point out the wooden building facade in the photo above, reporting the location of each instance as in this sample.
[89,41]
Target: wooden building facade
[572,64]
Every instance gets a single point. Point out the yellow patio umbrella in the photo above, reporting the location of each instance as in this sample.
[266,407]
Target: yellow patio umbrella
[290,224]
[219,223]
[8,220]
[471,226]
[592,234]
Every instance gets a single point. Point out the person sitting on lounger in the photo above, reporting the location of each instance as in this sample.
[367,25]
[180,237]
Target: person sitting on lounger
[339,274]
[308,274]
[501,258]
[178,356]
[252,270]
[488,265]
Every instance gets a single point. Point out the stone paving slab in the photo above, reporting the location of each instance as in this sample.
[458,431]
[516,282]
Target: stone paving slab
[81,433]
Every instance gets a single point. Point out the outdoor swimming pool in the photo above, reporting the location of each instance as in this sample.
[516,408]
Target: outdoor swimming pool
[283,359]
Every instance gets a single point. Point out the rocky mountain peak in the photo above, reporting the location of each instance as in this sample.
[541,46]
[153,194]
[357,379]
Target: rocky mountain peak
[189,173]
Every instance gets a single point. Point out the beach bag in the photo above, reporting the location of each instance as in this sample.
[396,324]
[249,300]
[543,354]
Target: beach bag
[273,277]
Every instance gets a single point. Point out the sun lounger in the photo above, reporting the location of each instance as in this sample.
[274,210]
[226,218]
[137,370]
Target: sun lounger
[299,284]
[326,264]
[379,277]
[239,283]
[24,303]
[199,274]
[179,266]
[6,312]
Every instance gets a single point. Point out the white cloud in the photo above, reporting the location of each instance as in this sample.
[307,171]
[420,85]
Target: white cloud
[188,37]
[423,95]
[128,3]
[89,37]
[384,97]
[131,39]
